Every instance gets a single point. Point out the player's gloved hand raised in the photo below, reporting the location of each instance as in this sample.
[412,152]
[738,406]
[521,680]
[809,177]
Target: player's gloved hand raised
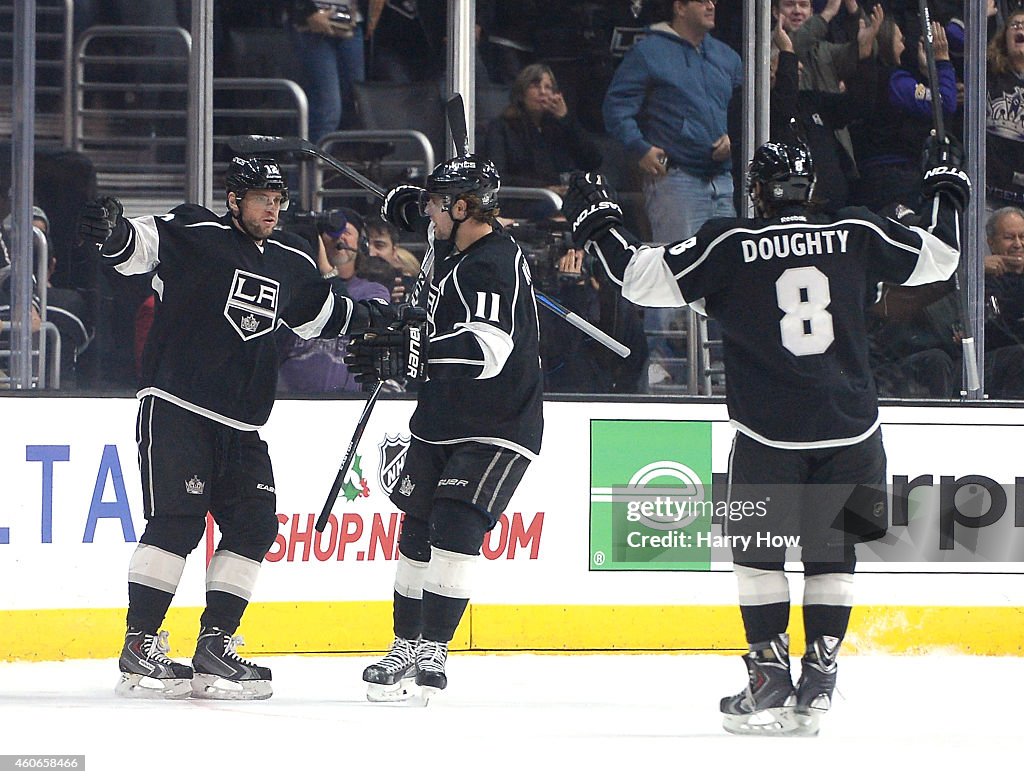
[950,180]
[589,206]
[401,207]
[102,224]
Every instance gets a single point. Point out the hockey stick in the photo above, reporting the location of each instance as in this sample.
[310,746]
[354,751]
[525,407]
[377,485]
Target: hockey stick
[939,129]
[422,280]
[581,324]
[456,111]
[249,145]
[350,453]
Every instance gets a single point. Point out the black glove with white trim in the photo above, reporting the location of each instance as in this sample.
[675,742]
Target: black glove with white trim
[950,180]
[401,207]
[589,207]
[102,224]
[393,353]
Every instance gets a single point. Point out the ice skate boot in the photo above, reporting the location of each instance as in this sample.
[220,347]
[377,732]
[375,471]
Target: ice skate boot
[221,674]
[817,682]
[430,675]
[393,678]
[146,671]
[765,707]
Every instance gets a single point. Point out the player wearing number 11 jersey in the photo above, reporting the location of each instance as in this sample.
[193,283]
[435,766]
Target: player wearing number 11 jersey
[789,289]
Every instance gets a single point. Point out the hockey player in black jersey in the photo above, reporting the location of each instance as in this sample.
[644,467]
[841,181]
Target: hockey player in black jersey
[209,373]
[478,417]
[789,289]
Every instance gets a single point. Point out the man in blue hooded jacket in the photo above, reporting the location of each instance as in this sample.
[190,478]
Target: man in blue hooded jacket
[667,104]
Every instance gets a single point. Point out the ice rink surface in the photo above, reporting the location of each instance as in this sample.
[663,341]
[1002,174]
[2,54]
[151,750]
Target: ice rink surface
[529,719]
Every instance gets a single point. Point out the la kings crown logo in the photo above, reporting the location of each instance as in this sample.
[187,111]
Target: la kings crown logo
[252,304]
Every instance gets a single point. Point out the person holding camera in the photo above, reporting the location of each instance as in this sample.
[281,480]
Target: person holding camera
[224,284]
[328,41]
[317,365]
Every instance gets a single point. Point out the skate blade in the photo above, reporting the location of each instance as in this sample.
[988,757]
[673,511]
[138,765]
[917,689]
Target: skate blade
[403,691]
[213,687]
[770,721]
[807,724]
[143,687]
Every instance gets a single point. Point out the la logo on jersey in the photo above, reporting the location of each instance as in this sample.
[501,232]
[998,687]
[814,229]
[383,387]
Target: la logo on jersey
[252,304]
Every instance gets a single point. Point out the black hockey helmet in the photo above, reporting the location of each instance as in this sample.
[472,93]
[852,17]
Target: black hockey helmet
[785,171]
[256,174]
[465,175]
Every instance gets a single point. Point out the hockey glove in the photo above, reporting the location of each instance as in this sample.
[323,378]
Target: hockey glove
[401,207]
[589,207]
[102,224]
[371,315]
[376,357]
[950,180]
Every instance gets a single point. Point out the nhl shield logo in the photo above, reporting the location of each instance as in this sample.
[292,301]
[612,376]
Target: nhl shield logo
[252,304]
[392,459]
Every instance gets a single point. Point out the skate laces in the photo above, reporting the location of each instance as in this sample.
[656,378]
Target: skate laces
[231,644]
[398,656]
[156,646]
[431,655]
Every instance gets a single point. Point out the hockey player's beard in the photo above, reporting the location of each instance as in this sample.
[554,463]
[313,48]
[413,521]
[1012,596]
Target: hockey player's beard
[255,228]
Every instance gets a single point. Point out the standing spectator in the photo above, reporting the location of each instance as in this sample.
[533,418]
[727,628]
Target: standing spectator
[317,365]
[820,113]
[1004,175]
[788,288]
[225,284]
[668,104]
[537,141]
[888,143]
[328,40]
[827,63]
[478,418]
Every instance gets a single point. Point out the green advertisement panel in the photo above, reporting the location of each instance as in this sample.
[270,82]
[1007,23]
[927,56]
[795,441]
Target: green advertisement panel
[650,495]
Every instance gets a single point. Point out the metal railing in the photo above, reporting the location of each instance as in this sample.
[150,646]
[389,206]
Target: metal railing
[53,45]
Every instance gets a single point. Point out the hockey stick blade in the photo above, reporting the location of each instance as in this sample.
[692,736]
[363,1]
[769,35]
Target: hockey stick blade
[249,145]
[456,111]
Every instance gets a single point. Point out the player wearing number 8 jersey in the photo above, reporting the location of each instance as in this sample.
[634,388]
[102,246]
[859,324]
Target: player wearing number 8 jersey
[789,288]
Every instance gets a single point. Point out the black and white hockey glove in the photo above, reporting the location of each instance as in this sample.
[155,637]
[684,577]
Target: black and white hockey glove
[589,207]
[376,357]
[371,315]
[950,180]
[394,353]
[401,207]
[102,224]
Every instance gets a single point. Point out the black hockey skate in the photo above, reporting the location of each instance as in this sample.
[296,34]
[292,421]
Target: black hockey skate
[393,678]
[817,682]
[146,671]
[766,706]
[430,675]
[221,674]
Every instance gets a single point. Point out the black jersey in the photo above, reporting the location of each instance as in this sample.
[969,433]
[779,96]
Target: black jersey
[790,294]
[220,296]
[483,367]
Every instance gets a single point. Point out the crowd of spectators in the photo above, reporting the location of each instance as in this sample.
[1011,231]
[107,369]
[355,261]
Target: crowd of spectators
[647,91]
